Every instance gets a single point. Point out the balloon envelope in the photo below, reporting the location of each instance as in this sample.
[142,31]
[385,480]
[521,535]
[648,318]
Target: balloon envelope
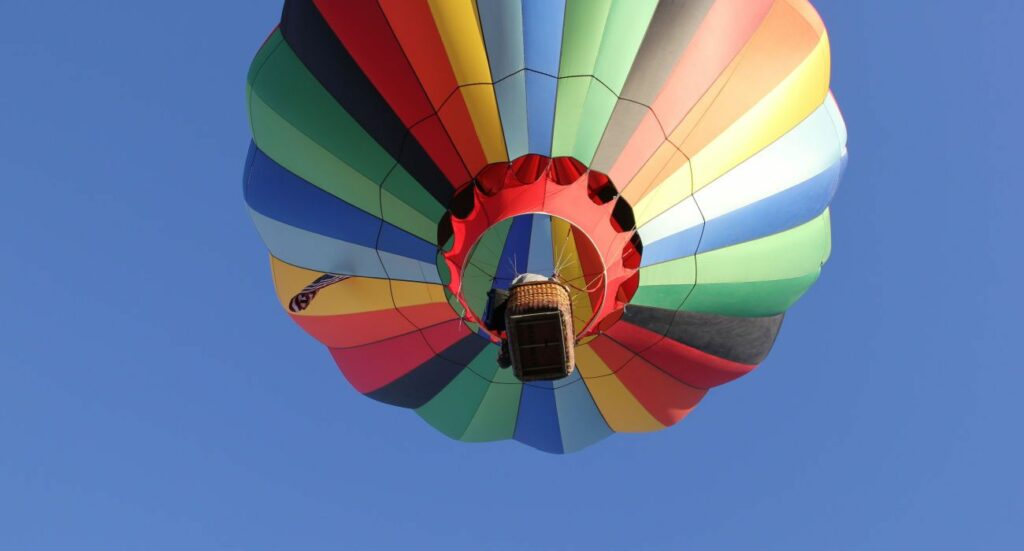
[671,163]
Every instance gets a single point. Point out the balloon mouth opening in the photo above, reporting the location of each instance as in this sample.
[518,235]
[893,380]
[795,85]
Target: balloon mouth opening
[553,219]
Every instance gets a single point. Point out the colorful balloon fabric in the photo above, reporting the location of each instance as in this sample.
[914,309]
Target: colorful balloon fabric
[671,162]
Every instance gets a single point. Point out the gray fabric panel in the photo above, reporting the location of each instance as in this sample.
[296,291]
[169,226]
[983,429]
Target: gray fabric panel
[673,26]
[743,340]
[624,121]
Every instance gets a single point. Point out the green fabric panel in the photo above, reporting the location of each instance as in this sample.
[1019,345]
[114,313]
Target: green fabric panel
[763,277]
[668,297]
[495,419]
[287,87]
[674,272]
[407,205]
[597,110]
[828,236]
[475,286]
[297,153]
[478,277]
[666,285]
[569,103]
[751,299]
[602,39]
[623,34]
[301,126]
[583,32]
[790,254]
[442,268]
[453,408]
[269,47]
[453,301]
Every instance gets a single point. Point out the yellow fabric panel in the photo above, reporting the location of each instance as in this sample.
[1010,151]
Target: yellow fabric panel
[782,42]
[674,272]
[352,296]
[807,11]
[674,184]
[779,112]
[793,24]
[695,116]
[590,364]
[459,27]
[646,178]
[620,409]
[778,79]
[483,109]
[411,293]
[568,269]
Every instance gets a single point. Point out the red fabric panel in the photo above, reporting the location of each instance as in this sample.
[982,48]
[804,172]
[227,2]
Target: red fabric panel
[692,366]
[611,353]
[667,399]
[442,336]
[355,329]
[633,337]
[689,365]
[367,35]
[363,29]
[426,315]
[413,24]
[373,366]
[455,116]
[435,141]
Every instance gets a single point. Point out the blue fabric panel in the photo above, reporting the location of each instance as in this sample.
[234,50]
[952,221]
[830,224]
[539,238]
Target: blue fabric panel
[516,253]
[782,211]
[511,96]
[542,254]
[407,269]
[680,245]
[579,418]
[502,23]
[773,214]
[401,243]
[273,191]
[540,105]
[542,34]
[537,423]
[316,252]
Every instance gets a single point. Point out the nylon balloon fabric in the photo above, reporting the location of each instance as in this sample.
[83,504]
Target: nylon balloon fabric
[670,162]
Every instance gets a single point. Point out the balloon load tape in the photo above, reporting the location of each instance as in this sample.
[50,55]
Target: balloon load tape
[539,329]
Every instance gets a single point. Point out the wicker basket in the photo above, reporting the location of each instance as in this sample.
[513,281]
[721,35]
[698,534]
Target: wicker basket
[538,320]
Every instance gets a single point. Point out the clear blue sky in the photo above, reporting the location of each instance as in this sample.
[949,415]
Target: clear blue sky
[154,396]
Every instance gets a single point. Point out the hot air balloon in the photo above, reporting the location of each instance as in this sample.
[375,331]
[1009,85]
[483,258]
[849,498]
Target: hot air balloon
[543,220]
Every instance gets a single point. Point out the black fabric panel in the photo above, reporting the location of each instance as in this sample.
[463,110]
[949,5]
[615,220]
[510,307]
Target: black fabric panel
[316,45]
[420,385]
[743,340]
[466,350]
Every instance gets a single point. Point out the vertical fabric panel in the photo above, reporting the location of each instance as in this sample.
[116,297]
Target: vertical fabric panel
[541,259]
[579,419]
[537,425]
